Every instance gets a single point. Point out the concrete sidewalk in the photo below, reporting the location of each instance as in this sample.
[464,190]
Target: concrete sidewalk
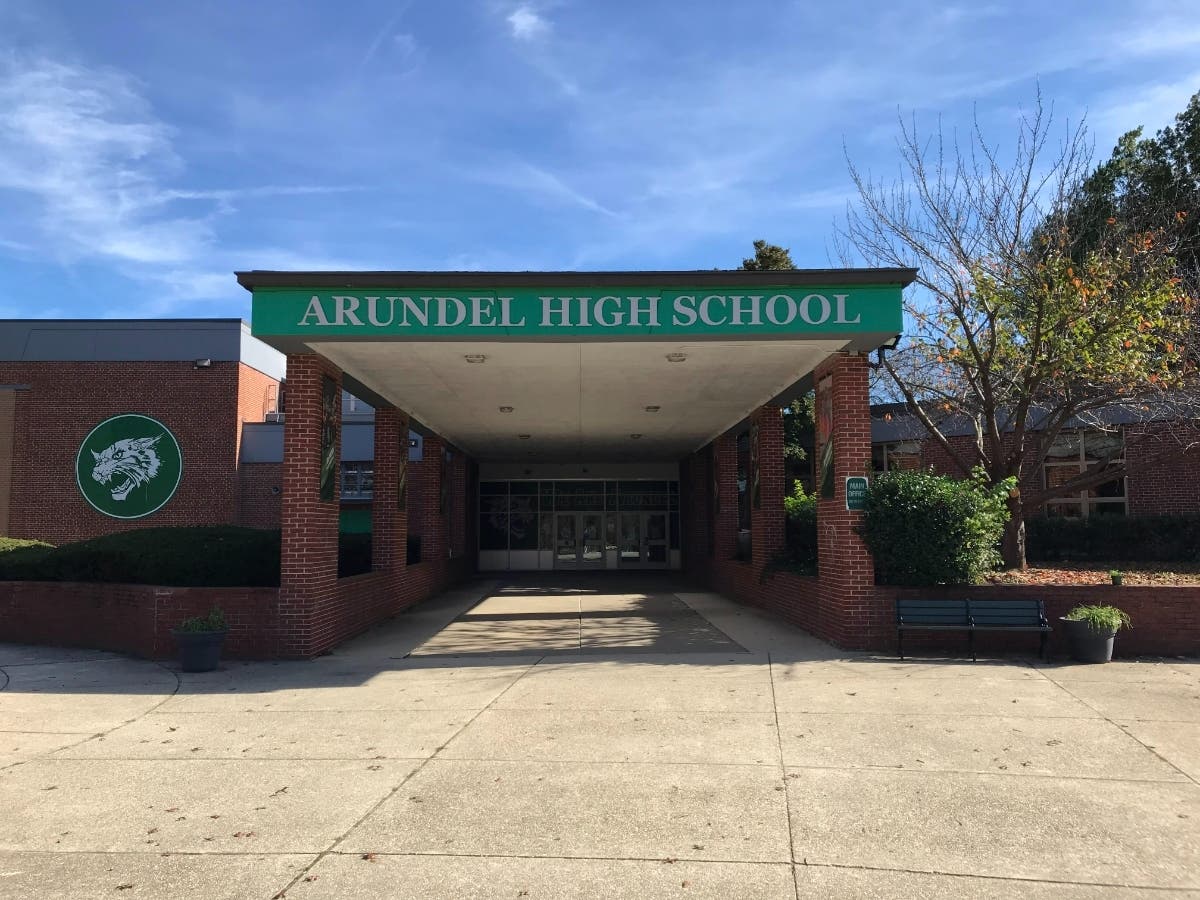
[770,765]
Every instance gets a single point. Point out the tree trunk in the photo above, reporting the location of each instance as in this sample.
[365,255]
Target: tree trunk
[1012,547]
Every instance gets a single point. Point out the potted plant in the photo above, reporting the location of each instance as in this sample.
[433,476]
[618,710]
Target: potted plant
[1117,576]
[1091,631]
[199,640]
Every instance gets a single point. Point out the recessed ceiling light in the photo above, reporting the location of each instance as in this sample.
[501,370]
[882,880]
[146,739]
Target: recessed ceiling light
[676,357]
[635,436]
[506,409]
[523,437]
[653,408]
[474,357]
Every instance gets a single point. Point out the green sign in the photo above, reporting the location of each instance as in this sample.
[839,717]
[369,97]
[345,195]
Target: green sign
[856,493]
[487,314]
[129,466]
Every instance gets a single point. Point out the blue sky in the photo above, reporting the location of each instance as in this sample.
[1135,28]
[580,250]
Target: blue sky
[148,149]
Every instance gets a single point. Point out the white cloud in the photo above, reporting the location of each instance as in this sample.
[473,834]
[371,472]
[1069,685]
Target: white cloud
[540,183]
[83,152]
[86,147]
[527,24]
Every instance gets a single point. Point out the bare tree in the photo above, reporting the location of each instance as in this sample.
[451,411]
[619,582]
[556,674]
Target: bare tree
[1016,328]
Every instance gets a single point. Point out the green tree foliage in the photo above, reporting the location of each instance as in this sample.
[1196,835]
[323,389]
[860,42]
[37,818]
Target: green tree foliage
[1029,314]
[1151,183]
[925,529]
[768,256]
[798,427]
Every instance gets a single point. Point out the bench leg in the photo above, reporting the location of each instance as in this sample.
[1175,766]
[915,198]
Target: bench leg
[1042,648]
[900,641]
[971,644]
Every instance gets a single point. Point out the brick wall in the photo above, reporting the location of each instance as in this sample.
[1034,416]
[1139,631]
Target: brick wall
[1166,620]
[253,394]
[839,605]
[66,400]
[259,493]
[8,419]
[134,618]
[1163,479]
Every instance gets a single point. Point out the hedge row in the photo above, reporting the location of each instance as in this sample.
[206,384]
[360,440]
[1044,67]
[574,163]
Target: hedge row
[1113,539]
[216,556]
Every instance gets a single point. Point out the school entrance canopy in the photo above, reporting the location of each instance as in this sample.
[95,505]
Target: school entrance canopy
[574,361]
[581,419]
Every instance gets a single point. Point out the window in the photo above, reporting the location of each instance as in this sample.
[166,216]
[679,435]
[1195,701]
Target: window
[358,480]
[898,456]
[1070,456]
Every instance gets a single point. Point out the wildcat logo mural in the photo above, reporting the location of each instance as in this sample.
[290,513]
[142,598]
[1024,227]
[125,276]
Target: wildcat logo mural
[133,460]
[129,466]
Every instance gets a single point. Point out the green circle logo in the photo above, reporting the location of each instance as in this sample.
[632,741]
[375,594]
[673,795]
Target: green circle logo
[128,466]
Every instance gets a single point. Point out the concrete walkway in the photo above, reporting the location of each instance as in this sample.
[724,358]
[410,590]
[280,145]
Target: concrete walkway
[774,767]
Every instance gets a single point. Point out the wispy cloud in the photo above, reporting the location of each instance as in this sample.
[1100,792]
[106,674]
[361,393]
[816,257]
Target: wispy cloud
[539,183]
[83,150]
[527,24]
[84,144]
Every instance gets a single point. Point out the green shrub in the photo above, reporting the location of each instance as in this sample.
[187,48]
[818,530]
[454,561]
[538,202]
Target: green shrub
[214,621]
[925,529]
[1113,538]
[18,556]
[8,544]
[1101,618]
[800,530]
[209,556]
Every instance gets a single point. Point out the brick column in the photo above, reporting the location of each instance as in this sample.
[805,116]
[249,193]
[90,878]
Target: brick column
[309,549]
[725,528]
[767,519]
[433,531]
[389,524]
[847,573]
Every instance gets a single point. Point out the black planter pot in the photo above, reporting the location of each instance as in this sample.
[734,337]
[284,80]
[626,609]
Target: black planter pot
[199,651]
[1088,644]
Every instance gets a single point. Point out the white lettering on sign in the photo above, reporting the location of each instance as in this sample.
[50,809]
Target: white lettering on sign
[549,310]
[636,310]
[316,311]
[373,311]
[731,311]
[506,320]
[781,313]
[344,311]
[481,309]
[409,307]
[443,312]
[606,315]
[841,319]
[685,311]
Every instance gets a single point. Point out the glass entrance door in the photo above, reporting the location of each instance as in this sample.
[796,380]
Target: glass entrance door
[566,540]
[644,540]
[578,540]
[654,527]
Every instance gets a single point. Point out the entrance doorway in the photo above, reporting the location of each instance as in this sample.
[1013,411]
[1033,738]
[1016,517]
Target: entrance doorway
[644,540]
[579,540]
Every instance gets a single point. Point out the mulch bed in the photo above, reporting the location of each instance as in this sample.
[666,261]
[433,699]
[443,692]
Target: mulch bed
[1174,574]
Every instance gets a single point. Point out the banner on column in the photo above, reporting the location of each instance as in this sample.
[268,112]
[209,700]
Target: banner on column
[825,438]
[402,467]
[330,401]
[755,493]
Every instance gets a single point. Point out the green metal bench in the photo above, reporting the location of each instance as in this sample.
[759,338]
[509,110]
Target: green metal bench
[971,616]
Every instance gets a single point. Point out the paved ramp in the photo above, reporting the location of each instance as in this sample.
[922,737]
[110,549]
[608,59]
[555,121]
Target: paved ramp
[580,613]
